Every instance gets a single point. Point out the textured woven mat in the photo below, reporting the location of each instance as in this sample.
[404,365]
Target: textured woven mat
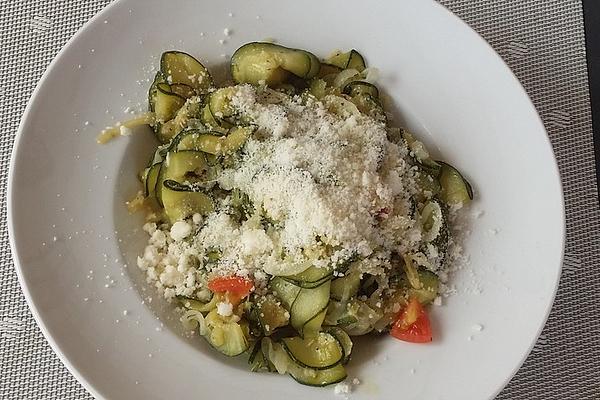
[542,41]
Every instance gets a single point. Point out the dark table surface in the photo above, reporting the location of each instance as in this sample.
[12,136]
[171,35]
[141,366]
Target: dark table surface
[591,10]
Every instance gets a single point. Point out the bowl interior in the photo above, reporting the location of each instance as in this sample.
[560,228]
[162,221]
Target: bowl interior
[75,244]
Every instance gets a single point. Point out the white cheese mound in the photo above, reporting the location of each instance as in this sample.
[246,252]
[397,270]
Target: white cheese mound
[170,265]
[224,309]
[322,176]
[180,230]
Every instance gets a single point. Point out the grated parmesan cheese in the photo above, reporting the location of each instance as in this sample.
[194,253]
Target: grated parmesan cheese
[324,189]
[224,309]
[180,230]
[341,389]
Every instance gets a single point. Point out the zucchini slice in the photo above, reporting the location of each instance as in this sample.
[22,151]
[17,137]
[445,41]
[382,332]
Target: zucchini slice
[205,142]
[272,64]
[455,188]
[183,167]
[346,77]
[429,289]
[170,129]
[368,105]
[257,360]
[337,314]
[344,340]
[355,317]
[322,351]
[180,201]
[181,68]
[411,271]
[442,240]
[318,88]
[166,103]
[219,103]
[217,127]
[158,78]
[419,153]
[167,131]
[313,326]
[315,65]
[344,288]
[428,184]
[308,304]
[150,180]
[366,317]
[313,377]
[360,87]
[285,291]
[213,144]
[356,61]
[159,155]
[271,315]
[183,90]
[391,306]
[352,59]
[236,137]
[311,277]
[328,69]
[227,337]
[197,305]
[279,360]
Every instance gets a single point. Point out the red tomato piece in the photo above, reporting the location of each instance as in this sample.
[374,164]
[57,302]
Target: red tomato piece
[412,324]
[234,287]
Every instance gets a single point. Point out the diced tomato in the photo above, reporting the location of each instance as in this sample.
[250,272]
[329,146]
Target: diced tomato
[234,287]
[412,324]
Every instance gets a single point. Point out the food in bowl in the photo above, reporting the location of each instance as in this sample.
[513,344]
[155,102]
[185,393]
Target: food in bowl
[287,214]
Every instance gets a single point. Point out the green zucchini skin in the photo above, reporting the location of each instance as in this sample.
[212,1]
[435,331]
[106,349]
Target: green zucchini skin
[179,167]
[181,68]
[158,78]
[272,64]
[166,103]
[227,337]
[350,60]
[455,188]
[322,351]
[308,304]
[311,278]
[328,69]
[307,376]
[150,181]
[343,339]
[182,201]
[278,359]
[360,87]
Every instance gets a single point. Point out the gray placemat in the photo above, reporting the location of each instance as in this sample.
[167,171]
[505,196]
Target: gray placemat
[541,40]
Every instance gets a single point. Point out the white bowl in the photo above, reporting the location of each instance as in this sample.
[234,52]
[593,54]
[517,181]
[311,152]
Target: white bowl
[66,199]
